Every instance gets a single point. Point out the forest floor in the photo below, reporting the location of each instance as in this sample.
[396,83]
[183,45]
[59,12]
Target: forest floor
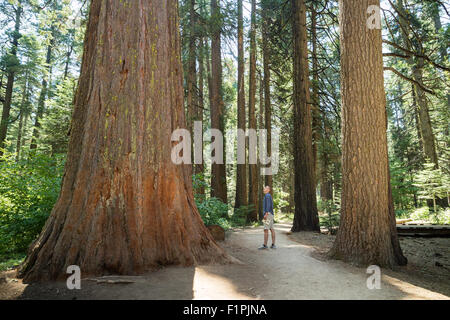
[298,269]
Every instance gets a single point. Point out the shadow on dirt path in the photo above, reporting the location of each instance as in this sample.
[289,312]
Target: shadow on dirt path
[289,272]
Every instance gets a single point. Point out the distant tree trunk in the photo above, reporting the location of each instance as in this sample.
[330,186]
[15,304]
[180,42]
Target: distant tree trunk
[42,96]
[428,140]
[416,118]
[267,100]
[200,168]
[218,171]
[11,72]
[316,128]
[326,182]
[261,178]
[253,173]
[192,102]
[423,116]
[367,234]
[427,135]
[68,58]
[443,46]
[22,115]
[241,171]
[125,207]
[306,216]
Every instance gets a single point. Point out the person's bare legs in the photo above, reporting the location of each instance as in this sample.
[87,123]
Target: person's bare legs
[273,235]
[266,236]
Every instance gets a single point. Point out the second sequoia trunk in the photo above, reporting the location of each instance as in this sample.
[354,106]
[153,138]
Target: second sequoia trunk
[367,233]
[124,206]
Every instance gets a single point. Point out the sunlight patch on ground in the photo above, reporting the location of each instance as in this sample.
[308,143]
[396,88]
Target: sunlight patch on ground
[208,286]
[413,292]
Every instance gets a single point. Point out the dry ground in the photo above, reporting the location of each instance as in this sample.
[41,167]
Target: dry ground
[298,269]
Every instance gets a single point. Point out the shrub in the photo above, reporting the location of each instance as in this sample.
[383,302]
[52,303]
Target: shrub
[239,216]
[214,211]
[28,190]
[441,216]
[332,216]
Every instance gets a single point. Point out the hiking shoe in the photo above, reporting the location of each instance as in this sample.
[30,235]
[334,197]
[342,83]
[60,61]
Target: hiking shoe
[273,246]
[263,247]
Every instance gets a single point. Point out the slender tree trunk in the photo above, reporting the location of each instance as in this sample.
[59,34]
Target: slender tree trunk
[367,234]
[192,103]
[200,168]
[427,135]
[125,207]
[416,118]
[241,172]
[306,215]
[218,171]
[253,173]
[443,46]
[316,128]
[42,97]
[267,100]
[261,178]
[10,80]
[428,140]
[68,58]
[326,182]
[22,115]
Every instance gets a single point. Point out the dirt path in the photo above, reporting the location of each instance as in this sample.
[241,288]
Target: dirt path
[289,272]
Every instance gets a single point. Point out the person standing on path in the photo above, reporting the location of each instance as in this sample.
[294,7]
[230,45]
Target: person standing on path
[268,219]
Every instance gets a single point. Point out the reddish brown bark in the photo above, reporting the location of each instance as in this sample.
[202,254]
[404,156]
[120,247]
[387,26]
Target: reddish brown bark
[241,171]
[199,168]
[218,171]
[306,215]
[124,207]
[10,80]
[192,96]
[268,179]
[253,173]
[367,234]
[316,129]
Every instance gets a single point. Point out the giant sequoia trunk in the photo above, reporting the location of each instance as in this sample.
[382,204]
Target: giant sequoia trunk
[241,172]
[124,207]
[306,216]
[367,233]
[253,173]
[218,171]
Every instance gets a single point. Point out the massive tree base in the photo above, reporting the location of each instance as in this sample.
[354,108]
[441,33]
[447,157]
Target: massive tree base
[121,250]
[125,208]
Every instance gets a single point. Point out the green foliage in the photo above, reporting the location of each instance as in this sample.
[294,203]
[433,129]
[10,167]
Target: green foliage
[280,199]
[432,183]
[59,113]
[332,216]
[214,211]
[28,190]
[239,216]
[425,214]
[10,260]
[402,185]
